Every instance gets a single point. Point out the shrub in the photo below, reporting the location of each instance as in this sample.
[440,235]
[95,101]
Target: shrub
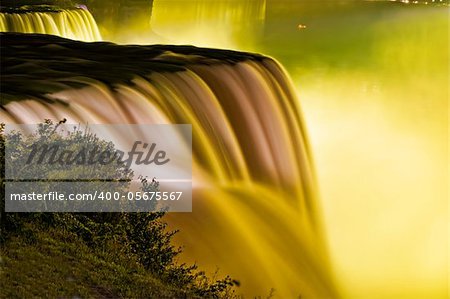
[143,237]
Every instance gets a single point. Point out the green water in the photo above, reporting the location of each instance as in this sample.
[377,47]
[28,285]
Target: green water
[372,78]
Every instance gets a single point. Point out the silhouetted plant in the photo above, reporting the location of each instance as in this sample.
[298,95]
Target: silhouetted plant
[143,237]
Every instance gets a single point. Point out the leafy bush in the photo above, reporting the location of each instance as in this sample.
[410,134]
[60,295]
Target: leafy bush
[140,237]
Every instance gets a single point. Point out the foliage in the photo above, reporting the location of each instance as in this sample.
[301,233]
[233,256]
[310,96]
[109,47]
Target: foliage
[140,242]
[54,154]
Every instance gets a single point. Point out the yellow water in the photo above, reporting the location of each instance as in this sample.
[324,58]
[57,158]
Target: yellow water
[220,24]
[373,83]
[75,24]
[254,212]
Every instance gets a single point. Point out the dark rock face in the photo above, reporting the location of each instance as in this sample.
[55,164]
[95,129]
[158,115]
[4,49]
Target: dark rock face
[33,65]
[21,6]
[106,12]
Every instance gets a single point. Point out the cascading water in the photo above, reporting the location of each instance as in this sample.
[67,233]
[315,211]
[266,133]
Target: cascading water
[224,24]
[75,24]
[254,211]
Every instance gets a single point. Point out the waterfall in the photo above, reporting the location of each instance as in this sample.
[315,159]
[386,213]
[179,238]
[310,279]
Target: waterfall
[75,24]
[225,24]
[255,214]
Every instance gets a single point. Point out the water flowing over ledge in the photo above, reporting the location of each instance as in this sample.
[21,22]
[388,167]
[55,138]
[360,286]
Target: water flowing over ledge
[255,213]
[75,24]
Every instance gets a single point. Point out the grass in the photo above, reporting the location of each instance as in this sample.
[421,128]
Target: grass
[58,264]
[91,255]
